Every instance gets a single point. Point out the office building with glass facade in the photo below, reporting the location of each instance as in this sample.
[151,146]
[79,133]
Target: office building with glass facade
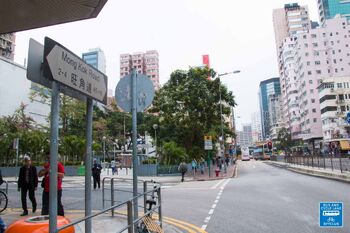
[268,88]
[327,9]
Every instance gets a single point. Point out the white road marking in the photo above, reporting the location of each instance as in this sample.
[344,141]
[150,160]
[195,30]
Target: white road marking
[217,184]
[216,201]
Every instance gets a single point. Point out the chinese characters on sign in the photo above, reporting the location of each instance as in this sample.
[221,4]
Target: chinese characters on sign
[70,70]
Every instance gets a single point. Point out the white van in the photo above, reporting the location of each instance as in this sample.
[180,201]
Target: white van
[245,154]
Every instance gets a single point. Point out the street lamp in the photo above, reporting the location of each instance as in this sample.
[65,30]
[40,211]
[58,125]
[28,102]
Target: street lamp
[115,144]
[221,118]
[155,127]
[104,152]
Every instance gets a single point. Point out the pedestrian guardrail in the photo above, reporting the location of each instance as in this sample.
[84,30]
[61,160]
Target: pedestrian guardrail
[132,224]
[322,162]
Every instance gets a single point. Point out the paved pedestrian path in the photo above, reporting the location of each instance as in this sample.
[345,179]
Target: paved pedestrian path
[315,171]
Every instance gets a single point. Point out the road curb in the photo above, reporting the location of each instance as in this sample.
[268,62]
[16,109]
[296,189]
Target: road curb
[219,178]
[305,171]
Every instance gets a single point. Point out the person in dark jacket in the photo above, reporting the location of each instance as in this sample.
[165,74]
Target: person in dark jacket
[96,173]
[27,183]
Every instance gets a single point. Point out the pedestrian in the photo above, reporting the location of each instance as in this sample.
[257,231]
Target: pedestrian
[182,169]
[202,164]
[194,166]
[113,166]
[27,183]
[96,174]
[45,173]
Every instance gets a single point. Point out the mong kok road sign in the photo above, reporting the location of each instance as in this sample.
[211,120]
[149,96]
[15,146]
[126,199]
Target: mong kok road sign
[65,67]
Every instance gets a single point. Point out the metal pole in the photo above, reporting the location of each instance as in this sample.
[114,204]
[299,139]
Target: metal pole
[104,154]
[17,154]
[160,214]
[134,141]
[129,213]
[112,196]
[221,123]
[88,165]
[145,197]
[55,108]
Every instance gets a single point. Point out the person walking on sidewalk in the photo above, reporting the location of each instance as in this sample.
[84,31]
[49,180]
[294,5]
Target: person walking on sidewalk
[182,169]
[96,174]
[27,183]
[194,166]
[46,185]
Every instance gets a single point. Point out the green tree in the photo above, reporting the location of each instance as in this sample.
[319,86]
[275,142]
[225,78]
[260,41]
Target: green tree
[171,153]
[284,140]
[188,107]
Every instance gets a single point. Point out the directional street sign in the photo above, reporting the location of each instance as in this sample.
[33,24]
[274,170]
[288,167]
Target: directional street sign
[208,143]
[145,92]
[65,67]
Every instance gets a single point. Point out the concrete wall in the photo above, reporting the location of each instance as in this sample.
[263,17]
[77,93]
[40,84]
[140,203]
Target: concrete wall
[15,89]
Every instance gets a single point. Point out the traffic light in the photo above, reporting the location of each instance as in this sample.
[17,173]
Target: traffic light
[269,145]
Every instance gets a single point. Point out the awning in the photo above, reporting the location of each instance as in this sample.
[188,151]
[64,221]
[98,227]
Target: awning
[19,15]
[344,145]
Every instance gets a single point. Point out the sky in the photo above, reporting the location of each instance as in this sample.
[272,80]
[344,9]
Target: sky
[237,35]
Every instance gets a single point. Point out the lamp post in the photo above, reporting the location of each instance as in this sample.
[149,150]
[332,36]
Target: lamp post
[221,118]
[155,127]
[104,152]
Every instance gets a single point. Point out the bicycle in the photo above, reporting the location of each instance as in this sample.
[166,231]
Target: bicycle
[148,224]
[3,201]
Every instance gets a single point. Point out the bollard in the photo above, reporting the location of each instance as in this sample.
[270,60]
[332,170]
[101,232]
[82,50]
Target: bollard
[112,195]
[145,197]
[130,217]
[103,193]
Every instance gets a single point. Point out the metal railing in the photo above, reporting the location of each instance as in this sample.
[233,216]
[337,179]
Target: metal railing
[341,163]
[132,224]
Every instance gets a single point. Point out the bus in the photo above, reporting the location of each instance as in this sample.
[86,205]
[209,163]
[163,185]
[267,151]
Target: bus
[261,152]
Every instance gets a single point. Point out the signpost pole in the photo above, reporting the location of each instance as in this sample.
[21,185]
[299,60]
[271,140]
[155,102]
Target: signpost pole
[89,112]
[17,153]
[55,106]
[134,140]
[208,162]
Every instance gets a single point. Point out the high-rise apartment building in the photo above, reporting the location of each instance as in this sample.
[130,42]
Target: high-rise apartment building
[244,137]
[275,115]
[289,21]
[305,60]
[334,96]
[144,63]
[328,9]
[256,127]
[96,58]
[7,45]
[267,88]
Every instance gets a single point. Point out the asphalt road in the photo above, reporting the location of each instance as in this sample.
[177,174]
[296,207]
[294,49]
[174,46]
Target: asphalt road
[268,199]
[260,199]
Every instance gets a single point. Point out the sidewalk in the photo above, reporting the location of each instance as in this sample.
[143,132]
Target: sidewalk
[101,224]
[230,172]
[313,171]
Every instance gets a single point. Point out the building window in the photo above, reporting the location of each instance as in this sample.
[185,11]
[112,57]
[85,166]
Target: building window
[317,63]
[335,61]
[309,72]
[306,45]
[313,35]
[310,81]
[314,44]
[306,54]
[311,91]
[315,120]
[314,110]
[339,85]
[342,108]
[308,63]
[313,101]
[336,70]
[316,53]
[318,71]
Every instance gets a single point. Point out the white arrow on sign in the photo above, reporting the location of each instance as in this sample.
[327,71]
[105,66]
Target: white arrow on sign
[73,72]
